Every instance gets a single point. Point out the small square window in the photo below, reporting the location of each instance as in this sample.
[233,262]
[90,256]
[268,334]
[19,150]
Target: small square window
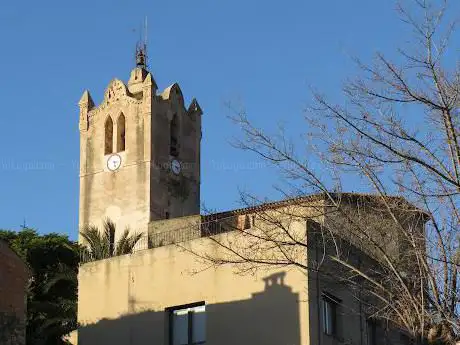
[188,325]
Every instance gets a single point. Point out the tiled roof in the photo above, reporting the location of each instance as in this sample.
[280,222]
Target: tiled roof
[349,197]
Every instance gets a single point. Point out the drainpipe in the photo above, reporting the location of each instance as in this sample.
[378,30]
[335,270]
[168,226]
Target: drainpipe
[360,312]
[318,295]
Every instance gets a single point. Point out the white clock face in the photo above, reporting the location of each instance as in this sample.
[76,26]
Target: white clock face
[175,167]
[113,162]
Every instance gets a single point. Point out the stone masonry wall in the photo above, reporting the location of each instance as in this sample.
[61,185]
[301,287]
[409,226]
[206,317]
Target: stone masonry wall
[13,280]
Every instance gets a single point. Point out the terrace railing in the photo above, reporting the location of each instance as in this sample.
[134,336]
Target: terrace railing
[187,233]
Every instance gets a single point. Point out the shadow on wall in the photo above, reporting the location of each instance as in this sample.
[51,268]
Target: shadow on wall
[269,317]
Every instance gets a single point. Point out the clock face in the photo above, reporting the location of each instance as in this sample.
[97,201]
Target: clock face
[175,167]
[113,162]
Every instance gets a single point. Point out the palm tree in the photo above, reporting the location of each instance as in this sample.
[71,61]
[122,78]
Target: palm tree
[101,244]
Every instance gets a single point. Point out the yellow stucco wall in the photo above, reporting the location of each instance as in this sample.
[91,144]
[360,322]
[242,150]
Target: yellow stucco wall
[122,300]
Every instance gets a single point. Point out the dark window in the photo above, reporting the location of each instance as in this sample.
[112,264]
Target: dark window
[121,133]
[247,222]
[329,314]
[371,332]
[406,339]
[188,325]
[174,137]
[108,136]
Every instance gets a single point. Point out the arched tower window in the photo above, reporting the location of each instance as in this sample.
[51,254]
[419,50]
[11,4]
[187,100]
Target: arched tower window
[174,137]
[121,133]
[108,136]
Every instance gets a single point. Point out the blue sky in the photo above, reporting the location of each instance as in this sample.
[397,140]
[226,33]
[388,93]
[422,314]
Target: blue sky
[262,54]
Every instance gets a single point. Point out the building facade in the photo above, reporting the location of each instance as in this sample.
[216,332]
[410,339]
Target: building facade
[13,302]
[140,166]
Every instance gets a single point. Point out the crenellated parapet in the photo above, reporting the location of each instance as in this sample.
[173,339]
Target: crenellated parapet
[173,95]
[86,104]
[194,109]
[140,89]
[116,94]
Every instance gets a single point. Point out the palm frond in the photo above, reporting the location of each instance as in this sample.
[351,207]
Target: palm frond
[122,243]
[109,235]
[101,244]
[97,245]
[127,242]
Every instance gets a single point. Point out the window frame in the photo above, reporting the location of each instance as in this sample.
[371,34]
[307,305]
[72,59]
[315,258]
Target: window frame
[371,331]
[190,313]
[333,303]
[174,133]
[121,132]
[108,135]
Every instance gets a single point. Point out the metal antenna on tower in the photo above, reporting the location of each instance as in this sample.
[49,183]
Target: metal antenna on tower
[141,48]
[145,32]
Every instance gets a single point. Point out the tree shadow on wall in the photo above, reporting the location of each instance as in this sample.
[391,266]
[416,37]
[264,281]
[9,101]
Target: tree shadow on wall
[269,317]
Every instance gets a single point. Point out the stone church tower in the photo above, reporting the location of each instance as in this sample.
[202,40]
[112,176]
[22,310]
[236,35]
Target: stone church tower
[139,153]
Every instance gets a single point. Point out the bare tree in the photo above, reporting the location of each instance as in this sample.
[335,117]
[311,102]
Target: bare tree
[398,134]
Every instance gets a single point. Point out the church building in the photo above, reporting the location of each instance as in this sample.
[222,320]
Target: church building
[140,167]
[139,153]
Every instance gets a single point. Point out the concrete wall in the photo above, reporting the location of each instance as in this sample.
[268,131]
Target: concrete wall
[13,283]
[327,278]
[366,222]
[123,300]
[324,279]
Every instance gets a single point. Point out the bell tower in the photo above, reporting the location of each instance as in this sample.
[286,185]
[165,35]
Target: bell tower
[139,153]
